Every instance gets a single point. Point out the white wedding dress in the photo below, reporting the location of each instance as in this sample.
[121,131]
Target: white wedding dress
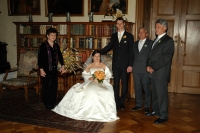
[90,101]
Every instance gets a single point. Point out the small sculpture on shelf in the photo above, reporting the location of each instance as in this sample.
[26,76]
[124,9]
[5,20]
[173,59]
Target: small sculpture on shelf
[30,19]
[109,13]
[108,16]
[50,17]
[68,17]
[91,16]
[119,13]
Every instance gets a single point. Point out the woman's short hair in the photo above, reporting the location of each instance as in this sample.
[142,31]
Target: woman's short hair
[51,30]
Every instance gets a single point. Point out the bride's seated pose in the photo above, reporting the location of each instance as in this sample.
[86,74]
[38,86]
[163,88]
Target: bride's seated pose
[90,100]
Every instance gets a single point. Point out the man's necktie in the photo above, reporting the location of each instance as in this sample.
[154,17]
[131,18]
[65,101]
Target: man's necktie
[119,36]
[154,42]
[140,45]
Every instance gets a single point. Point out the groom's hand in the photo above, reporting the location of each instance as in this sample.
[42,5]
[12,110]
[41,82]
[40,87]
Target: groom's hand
[129,69]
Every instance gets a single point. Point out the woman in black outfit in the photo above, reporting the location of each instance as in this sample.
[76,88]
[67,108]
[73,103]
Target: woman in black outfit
[49,55]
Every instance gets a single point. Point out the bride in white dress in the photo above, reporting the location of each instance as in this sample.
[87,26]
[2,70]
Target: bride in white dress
[90,101]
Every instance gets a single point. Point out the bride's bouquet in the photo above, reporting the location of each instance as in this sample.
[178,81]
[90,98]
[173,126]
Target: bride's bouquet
[99,75]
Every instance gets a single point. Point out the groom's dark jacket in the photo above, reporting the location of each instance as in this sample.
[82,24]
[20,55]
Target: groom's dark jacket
[122,51]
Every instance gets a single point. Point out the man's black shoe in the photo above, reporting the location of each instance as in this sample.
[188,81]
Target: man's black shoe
[152,114]
[159,121]
[122,107]
[49,107]
[136,108]
[146,111]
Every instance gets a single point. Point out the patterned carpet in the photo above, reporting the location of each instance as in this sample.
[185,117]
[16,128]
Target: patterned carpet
[15,108]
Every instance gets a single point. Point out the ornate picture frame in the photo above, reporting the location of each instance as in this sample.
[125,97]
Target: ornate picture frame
[100,7]
[61,7]
[23,7]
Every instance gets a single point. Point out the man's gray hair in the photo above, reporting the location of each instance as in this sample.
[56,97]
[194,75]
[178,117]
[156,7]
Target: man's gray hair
[145,29]
[162,22]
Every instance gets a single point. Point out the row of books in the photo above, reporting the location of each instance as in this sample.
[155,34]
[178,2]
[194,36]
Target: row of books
[82,56]
[41,29]
[62,41]
[80,29]
[75,42]
[89,42]
[35,42]
[76,29]
[31,42]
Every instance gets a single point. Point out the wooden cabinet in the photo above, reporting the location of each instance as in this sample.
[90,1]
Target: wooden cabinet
[84,36]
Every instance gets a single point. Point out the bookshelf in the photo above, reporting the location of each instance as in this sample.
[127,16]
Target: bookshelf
[84,36]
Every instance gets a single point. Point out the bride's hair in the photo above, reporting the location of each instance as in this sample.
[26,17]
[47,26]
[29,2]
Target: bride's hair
[96,52]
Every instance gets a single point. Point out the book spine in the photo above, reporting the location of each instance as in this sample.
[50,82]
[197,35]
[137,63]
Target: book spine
[80,43]
[103,41]
[84,56]
[77,42]
[86,42]
[34,40]
[90,42]
[71,29]
[98,43]
[71,42]
[21,29]
[97,30]
[61,29]
[95,43]
[65,29]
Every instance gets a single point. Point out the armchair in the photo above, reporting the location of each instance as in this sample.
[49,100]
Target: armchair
[26,77]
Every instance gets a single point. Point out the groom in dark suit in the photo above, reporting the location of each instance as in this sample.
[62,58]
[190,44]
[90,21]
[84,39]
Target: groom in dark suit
[141,49]
[121,43]
[159,67]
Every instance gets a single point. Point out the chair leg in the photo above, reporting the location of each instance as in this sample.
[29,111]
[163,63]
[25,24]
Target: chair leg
[26,93]
[1,90]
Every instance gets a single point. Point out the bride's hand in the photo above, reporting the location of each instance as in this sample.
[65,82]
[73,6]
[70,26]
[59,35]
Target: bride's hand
[91,78]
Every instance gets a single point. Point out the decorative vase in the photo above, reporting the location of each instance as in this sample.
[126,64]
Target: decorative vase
[91,16]
[30,19]
[68,17]
[50,17]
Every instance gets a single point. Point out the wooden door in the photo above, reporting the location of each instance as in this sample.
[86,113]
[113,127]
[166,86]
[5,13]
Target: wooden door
[183,18]
[189,48]
[171,14]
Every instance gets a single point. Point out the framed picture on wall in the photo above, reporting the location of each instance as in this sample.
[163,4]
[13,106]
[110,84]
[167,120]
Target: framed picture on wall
[23,7]
[61,7]
[100,7]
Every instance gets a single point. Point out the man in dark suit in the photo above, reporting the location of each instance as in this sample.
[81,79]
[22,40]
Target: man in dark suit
[159,67]
[121,43]
[141,49]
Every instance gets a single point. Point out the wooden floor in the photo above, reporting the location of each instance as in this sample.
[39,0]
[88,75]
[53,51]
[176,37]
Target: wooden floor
[184,117]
